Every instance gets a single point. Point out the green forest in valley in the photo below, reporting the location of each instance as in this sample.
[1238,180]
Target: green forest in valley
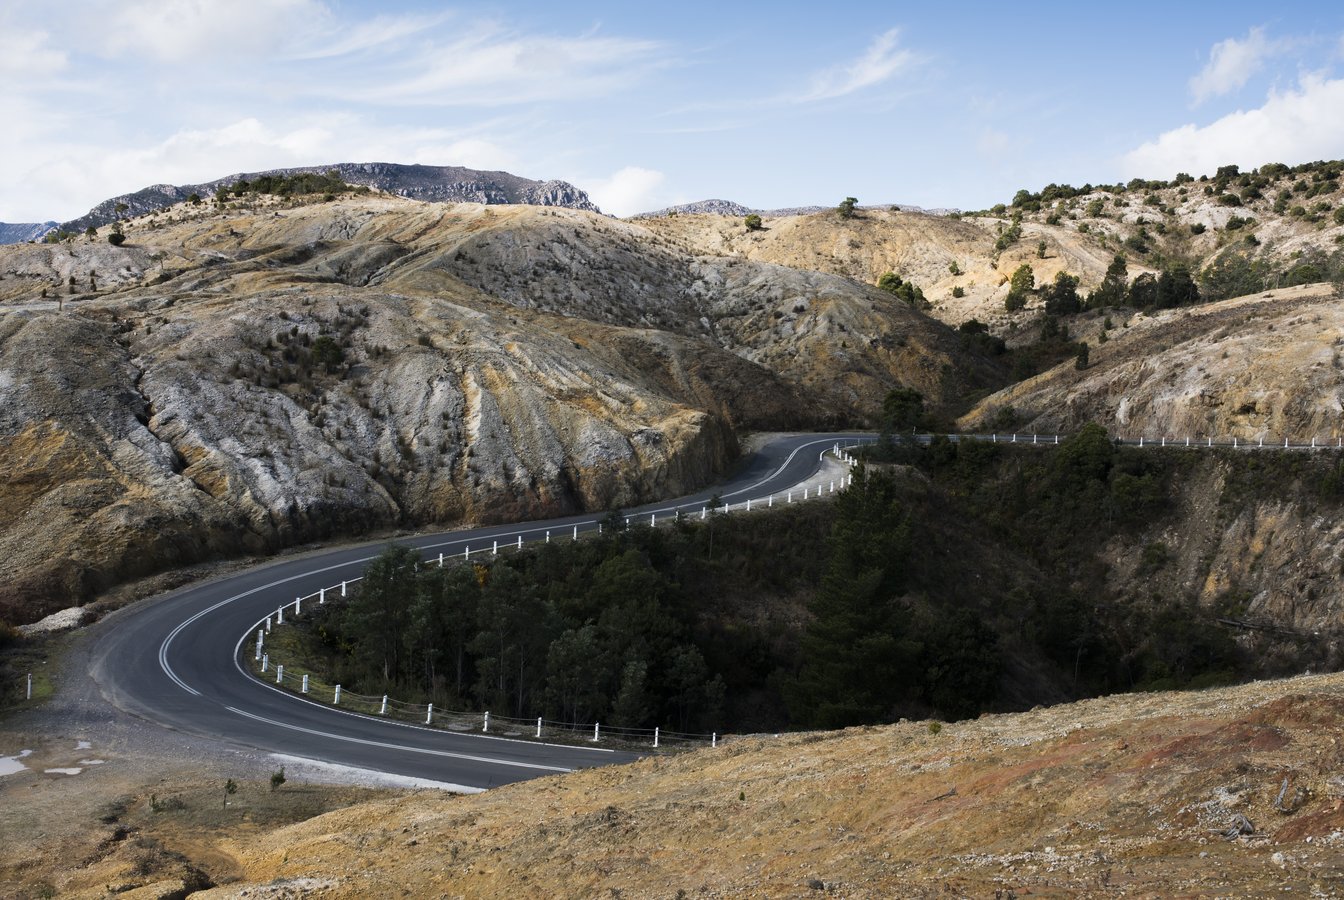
[950,579]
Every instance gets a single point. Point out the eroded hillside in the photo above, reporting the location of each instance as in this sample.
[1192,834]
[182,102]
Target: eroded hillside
[938,253]
[1236,232]
[239,380]
[1260,368]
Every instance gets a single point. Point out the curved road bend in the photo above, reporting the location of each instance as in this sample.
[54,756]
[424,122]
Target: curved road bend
[174,661]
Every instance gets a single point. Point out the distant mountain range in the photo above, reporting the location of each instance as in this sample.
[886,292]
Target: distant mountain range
[23,231]
[729,208]
[440,184]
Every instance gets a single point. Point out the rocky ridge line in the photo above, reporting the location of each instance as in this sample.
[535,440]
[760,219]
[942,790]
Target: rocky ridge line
[440,184]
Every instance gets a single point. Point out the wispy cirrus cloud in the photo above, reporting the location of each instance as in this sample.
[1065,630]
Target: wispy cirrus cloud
[108,103]
[883,59]
[493,65]
[382,33]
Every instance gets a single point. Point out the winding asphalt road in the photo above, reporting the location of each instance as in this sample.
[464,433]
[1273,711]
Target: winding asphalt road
[174,661]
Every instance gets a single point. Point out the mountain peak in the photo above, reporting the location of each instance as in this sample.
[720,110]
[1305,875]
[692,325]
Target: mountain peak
[438,184]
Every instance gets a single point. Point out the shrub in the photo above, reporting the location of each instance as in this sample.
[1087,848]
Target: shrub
[958,291]
[1008,237]
[753,222]
[116,239]
[327,353]
[1197,228]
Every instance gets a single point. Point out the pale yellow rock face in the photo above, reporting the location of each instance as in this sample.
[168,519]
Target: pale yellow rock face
[917,246]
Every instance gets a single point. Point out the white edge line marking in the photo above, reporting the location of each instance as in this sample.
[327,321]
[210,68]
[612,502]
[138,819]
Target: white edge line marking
[163,648]
[237,649]
[168,670]
[387,746]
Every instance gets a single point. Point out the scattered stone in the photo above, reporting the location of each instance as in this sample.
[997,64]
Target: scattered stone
[1240,825]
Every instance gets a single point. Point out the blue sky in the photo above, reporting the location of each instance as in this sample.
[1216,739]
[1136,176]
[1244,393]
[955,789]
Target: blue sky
[780,104]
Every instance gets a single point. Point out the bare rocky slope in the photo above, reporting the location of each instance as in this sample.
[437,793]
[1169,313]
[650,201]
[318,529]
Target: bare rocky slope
[1276,216]
[523,359]
[920,247]
[17,233]
[239,380]
[1259,368]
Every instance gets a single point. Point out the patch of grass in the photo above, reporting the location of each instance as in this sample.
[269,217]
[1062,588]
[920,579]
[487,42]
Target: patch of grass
[20,658]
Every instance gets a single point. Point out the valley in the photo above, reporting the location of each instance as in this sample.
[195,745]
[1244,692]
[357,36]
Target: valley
[258,373]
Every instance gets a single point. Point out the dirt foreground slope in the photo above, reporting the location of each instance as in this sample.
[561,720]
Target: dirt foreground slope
[1126,795]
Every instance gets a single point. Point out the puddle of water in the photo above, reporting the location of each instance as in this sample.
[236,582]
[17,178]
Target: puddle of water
[10,764]
[63,771]
[92,762]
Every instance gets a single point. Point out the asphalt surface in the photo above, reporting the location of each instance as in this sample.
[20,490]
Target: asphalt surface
[173,661]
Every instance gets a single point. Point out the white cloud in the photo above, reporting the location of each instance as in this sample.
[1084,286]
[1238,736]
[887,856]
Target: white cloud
[1231,64]
[1292,126]
[175,31]
[26,54]
[881,60]
[626,192]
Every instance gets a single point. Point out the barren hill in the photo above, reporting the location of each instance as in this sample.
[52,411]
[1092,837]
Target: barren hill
[1259,368]
[1118,795]
[239,380]
[11,233]
[920,247]
[1279,220]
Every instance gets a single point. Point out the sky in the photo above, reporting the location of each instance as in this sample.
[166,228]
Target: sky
[648,105]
